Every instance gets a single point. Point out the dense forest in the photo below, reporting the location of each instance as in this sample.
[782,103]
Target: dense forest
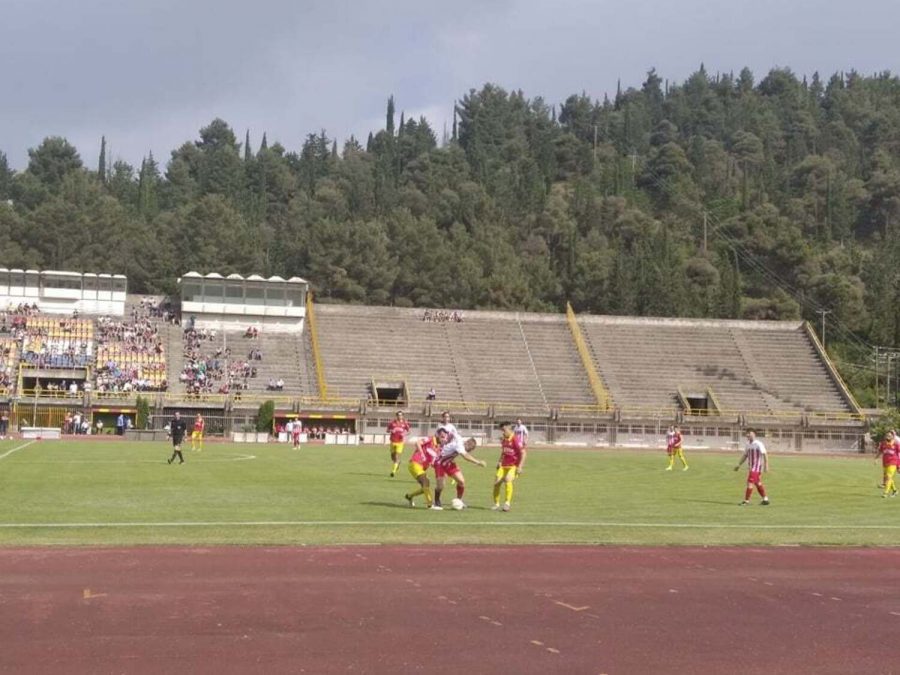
[716,197]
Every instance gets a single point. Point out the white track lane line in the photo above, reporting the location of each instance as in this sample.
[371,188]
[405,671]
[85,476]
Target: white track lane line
[437,523]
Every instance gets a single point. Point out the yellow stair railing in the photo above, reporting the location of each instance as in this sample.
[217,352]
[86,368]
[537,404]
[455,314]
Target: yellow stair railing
[600,393]
[317,354]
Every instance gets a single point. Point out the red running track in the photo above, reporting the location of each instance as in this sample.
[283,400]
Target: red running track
[449,610]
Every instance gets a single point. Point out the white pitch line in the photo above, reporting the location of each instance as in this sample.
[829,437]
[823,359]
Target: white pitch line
[21,447]
[436,523]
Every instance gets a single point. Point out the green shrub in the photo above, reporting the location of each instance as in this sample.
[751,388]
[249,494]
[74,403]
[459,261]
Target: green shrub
[265,416]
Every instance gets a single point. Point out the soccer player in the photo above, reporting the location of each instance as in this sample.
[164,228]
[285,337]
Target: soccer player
[889,449]
[758,462]
[674,448]
[398,428]
[197,433]
[426,452]
[521,432]
[510,464]
[445,465]
[177,430]
[449,427]
[296,430]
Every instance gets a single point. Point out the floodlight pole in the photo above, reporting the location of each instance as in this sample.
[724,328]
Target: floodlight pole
[823,312]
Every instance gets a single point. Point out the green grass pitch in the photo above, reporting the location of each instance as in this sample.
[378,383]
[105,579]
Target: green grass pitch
[118,493]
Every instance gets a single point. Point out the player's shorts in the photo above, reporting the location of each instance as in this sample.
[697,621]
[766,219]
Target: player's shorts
[397,448]
[753,478]
[295,435]
[505,471]
[416,469]
[197,435]
[448,469]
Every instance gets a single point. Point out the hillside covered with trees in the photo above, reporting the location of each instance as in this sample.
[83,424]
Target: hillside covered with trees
[717,197]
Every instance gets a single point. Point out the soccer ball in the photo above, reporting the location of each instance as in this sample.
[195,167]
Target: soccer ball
[457,504]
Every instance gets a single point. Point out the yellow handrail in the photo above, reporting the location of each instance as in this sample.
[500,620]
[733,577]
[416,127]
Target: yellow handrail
[314,339]
[832,370]
[600,393]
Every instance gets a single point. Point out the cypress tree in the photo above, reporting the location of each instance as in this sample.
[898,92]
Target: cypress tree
[389,122]
[101,167]
[265,144]
[247,154]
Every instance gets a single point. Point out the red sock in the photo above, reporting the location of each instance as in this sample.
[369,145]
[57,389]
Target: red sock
[762,490]
[460,488]
[747,493]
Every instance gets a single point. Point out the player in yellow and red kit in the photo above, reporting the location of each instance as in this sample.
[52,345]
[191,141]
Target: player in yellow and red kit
[509,466]
[427,451]
[398,429]
[197,433]
[889,449]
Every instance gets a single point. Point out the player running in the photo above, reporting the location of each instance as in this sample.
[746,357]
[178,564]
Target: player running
[889,449]
[445,465]
[674,448]
[509,466]
[197,433]
[423,458]
[758,462]
[397,428]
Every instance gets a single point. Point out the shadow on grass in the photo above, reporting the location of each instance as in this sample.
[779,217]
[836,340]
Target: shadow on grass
[721,502]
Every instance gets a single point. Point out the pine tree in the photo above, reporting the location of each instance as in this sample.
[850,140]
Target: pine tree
[248,155]
[101,165]
[265,144]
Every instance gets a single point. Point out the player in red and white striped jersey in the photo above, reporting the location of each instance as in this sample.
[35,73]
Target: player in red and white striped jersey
[758,462]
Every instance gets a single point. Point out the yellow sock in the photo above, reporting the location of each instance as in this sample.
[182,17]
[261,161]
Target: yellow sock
[681,457]
[497,494]
[418,492]
[396,466]
[509,491]
[671,461]
[429,500]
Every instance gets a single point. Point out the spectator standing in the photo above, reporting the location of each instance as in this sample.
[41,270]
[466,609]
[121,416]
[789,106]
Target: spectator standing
[4,423]
[120,425]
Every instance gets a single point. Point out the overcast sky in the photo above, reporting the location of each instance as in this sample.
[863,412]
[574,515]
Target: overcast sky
[149,73]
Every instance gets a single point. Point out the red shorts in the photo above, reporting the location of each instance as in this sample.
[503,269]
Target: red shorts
[295,435]
[448,469]
[753,478]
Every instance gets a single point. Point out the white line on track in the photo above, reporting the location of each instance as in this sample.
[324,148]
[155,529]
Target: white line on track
[436,523]
[202,460]
[16,449]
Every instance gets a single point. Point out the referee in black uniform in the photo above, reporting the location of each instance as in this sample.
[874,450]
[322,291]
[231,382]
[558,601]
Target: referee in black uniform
[177,430]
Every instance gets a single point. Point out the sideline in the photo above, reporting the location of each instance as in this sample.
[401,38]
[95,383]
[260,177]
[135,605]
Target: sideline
[16,449]
[483,523]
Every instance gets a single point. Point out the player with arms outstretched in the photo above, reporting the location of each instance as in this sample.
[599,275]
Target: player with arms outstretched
[445,465]
[509,466]
[423,458]
[397,428]
[758,462]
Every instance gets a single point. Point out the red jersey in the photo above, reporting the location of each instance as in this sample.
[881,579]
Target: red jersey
[890,452]
[199,425]
[510,451]
[398,430]
[427,453]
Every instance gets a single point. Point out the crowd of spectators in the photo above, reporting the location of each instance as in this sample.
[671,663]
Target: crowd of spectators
[76,423]
[208,370]
[159,309]
[442,316]
[130,354]
[52,342]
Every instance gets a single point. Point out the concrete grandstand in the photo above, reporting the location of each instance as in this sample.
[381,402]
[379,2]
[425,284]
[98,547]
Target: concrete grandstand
[595,380]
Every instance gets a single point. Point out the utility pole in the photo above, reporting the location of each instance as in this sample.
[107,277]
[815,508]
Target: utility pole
[876,376]
[825,312]
[704,230]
